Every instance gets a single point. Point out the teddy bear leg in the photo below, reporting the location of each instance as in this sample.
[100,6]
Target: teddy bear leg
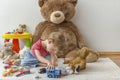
[71,55]
[83,52]
[92,57]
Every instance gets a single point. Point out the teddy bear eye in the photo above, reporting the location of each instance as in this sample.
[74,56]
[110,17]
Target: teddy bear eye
[52,10]
[67,14]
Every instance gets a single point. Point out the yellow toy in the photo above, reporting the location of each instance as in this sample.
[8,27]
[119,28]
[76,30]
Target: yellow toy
[25,35]
[15,40]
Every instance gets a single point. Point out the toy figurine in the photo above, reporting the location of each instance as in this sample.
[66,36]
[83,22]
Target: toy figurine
[21,29]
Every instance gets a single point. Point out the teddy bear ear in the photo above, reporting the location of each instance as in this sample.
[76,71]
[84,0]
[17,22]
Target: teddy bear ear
[41,2]
[74,2]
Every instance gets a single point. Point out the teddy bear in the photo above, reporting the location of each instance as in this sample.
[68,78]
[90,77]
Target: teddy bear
[57,15]
[7,50]
[7,54]
[21,29]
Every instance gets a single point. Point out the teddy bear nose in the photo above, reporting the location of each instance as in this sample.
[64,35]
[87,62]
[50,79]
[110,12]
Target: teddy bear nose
[57,15]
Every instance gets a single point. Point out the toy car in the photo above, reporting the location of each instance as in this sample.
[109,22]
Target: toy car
[53,73]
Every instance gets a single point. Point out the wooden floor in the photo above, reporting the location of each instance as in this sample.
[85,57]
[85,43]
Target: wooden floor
[114,57]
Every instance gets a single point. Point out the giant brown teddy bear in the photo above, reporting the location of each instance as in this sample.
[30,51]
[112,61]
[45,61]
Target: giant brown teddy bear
[57,14]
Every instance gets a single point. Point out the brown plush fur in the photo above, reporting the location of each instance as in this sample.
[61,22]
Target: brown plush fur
[21,28]
[67,28]
[79,60]
[73,38]
[49,6]
[92,57]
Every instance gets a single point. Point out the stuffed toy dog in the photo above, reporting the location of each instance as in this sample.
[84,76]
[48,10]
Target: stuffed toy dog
[79,62]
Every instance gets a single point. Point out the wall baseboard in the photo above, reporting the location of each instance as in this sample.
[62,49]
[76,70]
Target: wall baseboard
[109,54]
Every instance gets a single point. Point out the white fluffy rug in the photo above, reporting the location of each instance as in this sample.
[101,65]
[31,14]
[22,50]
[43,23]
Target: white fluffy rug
[103,69]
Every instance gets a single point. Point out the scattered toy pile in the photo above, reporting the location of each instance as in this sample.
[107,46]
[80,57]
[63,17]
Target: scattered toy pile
[17,70]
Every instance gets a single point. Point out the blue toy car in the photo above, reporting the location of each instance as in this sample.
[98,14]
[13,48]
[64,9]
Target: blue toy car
[53,73]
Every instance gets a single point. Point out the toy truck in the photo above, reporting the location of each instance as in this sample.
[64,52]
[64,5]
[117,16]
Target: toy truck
[53,73]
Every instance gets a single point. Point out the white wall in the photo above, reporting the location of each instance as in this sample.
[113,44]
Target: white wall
[98,20]
[15,12]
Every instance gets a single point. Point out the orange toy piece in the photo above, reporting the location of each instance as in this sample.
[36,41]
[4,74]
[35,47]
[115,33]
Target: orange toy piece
[10,70]
[15,42]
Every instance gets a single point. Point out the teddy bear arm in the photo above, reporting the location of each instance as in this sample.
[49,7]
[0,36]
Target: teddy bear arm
[1,55]
[15,56]
[71,55]
[7,59]
[17,62]
[38,31]
[4,57]
[92,57]
[80,40]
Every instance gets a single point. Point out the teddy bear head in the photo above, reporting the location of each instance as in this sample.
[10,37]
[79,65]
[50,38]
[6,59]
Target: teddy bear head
[21,28]
[57,11]
[7,46]
[7,49]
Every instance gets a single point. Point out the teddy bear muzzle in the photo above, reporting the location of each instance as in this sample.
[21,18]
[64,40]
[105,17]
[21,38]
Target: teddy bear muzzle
[57,17]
